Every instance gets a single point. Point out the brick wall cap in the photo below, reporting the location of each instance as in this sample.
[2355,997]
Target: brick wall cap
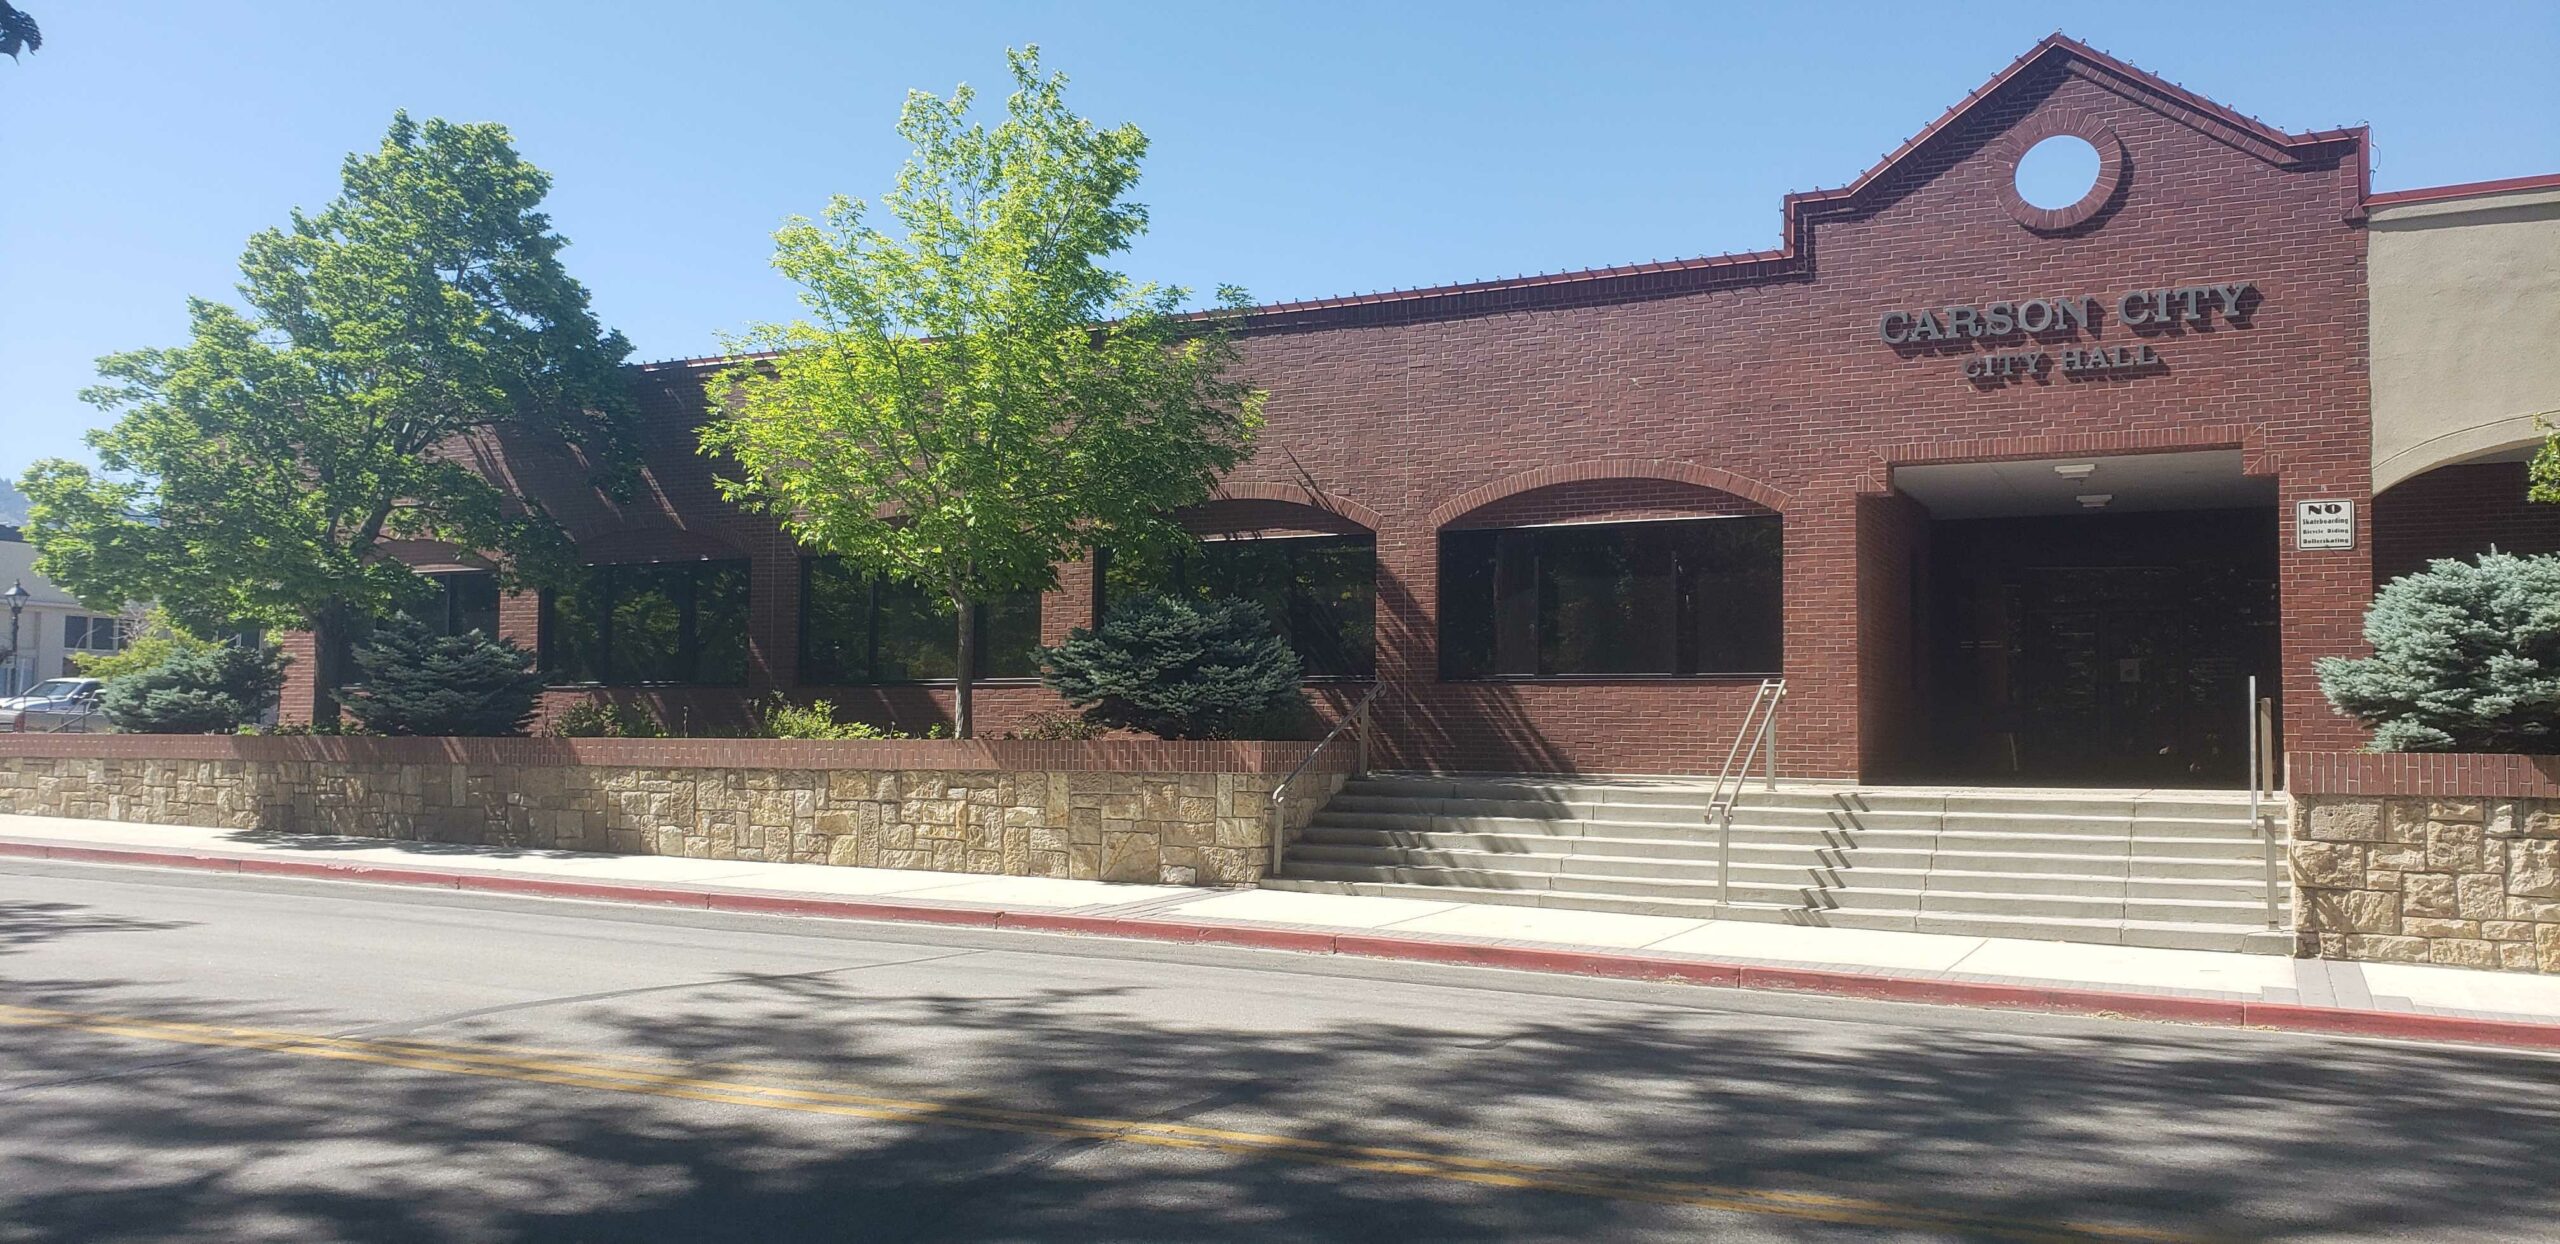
[2476,774]
[1017,755]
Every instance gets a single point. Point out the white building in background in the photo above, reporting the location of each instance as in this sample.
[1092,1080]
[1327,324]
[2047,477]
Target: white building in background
[50,627]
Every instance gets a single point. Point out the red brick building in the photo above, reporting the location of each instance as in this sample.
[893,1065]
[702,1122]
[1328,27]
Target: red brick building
[2004,492]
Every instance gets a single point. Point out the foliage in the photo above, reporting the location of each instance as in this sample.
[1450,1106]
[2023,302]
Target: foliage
[978,400]
[151,641]
[595,719]
[2466,658]
[779,718]
[212,690]
[1056,726]
[255,473]
[415,681]
[312,729]
[2543,475]
[1178,669]
[18,32]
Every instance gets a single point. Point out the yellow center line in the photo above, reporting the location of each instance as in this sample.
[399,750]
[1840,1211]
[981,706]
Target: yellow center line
[624,1074]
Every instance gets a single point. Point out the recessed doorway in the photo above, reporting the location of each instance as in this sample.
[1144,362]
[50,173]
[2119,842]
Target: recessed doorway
[2091,622]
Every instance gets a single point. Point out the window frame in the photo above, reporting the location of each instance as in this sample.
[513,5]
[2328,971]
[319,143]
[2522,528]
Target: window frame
[688,641]
[871,583]
[87,624]
[1540,588]
[1101,561]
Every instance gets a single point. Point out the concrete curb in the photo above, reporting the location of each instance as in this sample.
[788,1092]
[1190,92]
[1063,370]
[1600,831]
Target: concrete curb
[2335,1021]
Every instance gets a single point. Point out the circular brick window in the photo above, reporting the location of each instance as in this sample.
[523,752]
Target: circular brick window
[2062,172]
[2058,172]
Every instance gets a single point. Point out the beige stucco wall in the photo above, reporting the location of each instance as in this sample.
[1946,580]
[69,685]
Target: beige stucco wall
[2466,327]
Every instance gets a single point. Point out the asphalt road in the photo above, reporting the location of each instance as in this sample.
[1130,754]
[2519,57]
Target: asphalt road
[222,1058]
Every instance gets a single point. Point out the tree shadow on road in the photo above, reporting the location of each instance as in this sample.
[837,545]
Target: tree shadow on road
[26,923]
[2219,1134]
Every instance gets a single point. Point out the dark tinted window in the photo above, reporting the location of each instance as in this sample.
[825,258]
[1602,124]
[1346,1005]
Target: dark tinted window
[1695,596]
[860,629]
[1321,592]
[458,603]
[667,622]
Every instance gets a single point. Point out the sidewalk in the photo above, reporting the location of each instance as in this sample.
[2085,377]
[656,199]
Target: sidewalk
[2203,986]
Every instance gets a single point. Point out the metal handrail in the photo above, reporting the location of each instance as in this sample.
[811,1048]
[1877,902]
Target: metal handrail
[1358,715]
[2261,778]
[1758,734]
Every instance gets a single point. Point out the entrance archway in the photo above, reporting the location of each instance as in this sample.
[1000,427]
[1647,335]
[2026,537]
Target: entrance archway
[2090,621]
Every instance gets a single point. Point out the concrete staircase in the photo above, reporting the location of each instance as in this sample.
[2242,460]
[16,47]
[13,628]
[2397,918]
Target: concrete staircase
[2137,868]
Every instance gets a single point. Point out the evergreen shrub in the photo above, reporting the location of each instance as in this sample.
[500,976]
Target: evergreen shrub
[1176,668]
[210,690]
[2466,658]
[415,681]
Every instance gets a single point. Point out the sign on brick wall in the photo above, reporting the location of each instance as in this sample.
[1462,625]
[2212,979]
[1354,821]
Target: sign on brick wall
[2324,525]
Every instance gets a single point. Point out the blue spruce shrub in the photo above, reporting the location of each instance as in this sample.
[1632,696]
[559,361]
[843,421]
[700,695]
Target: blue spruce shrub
[1176,668]
[2466,658]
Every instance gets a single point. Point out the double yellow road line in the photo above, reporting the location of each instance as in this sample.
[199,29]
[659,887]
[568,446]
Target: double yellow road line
[661,1079]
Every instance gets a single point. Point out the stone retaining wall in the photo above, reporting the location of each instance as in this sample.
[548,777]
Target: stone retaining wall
[2428,859]
[1178,813]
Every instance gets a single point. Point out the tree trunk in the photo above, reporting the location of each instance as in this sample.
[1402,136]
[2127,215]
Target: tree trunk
[331,654]
[964,715]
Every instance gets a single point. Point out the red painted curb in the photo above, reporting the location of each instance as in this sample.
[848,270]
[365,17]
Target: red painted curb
[842,909]
[587,889]
[1305,941]
[353,872]
[1099,926]
[2402,1025]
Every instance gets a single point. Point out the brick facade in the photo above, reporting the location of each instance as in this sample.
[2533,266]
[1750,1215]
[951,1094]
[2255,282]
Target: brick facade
[2459,511]
[1740,383]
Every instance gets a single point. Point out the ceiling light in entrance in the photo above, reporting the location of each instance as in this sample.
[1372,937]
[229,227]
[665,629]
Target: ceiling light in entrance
[2076,470]
[2095,500]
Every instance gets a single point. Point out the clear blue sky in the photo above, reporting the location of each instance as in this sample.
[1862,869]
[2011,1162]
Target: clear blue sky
[1301,149]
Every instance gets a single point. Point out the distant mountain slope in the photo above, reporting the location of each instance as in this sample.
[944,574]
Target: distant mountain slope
[13,505]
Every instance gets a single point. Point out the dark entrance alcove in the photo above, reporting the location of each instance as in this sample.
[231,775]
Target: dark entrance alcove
[2103,649]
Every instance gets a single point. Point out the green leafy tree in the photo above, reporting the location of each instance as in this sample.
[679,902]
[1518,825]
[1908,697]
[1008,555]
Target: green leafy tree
[2466,658]
[211,690]
[1177,669]
[153,640]
[255,473]
[18,32]
[2544,474]
[415,681]
[978,400]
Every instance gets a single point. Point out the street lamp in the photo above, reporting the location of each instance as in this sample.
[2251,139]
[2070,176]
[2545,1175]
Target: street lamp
[17,598]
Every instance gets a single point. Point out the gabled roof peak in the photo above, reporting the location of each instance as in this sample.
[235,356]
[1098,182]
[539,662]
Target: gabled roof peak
[1793,257]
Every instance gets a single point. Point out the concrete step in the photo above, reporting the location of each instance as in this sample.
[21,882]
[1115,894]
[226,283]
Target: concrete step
[2252,937]
[2007,840]
[1692,887]
[1694,909]
[2240,880]
[2137,868]
[2246,936]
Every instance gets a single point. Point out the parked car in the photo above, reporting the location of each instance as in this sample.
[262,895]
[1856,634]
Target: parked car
[67,705]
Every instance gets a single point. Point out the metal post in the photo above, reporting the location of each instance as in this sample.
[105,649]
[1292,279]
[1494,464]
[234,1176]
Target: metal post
[2257,814]
[1724,859]
[2268,760]
[1769,747]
